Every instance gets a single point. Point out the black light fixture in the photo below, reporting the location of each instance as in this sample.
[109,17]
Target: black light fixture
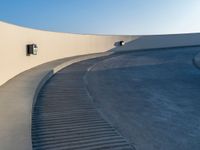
[32,49]
[121,43]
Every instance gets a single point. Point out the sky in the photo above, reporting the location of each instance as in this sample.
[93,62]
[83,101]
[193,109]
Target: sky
[132,17]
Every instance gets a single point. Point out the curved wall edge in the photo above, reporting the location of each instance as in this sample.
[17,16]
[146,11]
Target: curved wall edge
[53,45]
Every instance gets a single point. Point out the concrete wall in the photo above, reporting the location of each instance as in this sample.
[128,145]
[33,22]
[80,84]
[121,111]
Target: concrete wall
[52,46]
[161,41]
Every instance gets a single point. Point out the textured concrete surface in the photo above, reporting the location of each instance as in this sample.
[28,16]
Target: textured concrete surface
[152,98]
[196,60]
[65,118]
[148,98]
[17,98]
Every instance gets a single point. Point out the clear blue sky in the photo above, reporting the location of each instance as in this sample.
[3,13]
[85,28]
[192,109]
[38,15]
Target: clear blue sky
[104,16]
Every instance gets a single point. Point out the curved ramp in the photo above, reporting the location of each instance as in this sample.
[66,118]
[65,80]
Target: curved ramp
[152,97]
[64,116]
[149,98]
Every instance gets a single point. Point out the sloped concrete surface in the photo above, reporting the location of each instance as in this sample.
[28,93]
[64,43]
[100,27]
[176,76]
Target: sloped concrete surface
[152,97]
[196,60]
[65,118]
[146,99]
[17,98]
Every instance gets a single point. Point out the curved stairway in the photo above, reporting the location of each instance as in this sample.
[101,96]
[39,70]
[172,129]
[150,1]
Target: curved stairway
[65,118]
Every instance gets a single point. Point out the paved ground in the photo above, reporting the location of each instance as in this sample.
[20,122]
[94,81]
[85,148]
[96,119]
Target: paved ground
[16,99]
[65,118]
[149,98]
[152,97]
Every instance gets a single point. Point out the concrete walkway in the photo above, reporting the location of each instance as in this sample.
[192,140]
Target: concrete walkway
[17,97]
[64,117]
[151,97]
[110,86]
[196,60]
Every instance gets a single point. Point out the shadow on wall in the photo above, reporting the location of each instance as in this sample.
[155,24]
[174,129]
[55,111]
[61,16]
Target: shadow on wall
[159,41]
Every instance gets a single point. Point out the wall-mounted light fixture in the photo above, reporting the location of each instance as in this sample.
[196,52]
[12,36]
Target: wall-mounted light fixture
[121,43]
[32,49]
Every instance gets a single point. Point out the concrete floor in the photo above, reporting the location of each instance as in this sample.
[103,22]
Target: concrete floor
[152,97]
[65,118]
[18,96]
[148,99]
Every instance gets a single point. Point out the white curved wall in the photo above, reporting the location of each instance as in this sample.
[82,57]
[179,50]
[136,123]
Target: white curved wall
[52,46]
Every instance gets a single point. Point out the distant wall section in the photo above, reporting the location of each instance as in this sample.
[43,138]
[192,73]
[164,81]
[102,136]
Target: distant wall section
[161,41]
